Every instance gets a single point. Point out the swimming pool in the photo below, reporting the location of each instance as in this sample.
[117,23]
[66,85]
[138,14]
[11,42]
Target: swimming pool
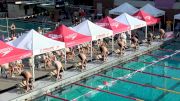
[160,81]
[22,25]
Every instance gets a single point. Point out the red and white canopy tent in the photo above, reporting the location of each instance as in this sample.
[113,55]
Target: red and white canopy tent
[9,53]
[68,36]
[37,43]
[153,11]
[131,21]
[149,19]
[90,29]
[113,25]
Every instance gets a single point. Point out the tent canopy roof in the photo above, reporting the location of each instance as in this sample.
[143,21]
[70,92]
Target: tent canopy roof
[146,17]
[9,53]
[153,10]
[133,22]
[36,42]
[124,8]
[67,35]
[90,29]
[177,16]
[113,25]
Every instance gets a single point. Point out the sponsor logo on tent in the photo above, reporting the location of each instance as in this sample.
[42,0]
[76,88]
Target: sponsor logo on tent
[6,51]
[115,24]
[72,36]
[148,17]
[101,36]
[55,36]
[138,17]
[47,49]
[103,24]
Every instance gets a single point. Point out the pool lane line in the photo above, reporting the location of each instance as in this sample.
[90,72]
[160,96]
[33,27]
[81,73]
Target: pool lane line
[145,85]
[105,91]
[167,50]
[158,75]
[57,97]
[175,59]
[171,67]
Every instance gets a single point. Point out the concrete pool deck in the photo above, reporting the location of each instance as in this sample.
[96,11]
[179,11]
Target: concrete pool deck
[46,85]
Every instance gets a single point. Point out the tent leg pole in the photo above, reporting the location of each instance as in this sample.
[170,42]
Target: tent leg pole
[7,27]
[65,58]
[159,25]
[146,33]
[153,29]
[91,51]
[130,38]
[112,43]
[173,24]
[164,20]
[33,67]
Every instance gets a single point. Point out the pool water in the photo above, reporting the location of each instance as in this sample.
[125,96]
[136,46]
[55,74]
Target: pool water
[158,82]
[22,25]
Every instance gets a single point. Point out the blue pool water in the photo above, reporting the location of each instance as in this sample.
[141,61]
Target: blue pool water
[158,82]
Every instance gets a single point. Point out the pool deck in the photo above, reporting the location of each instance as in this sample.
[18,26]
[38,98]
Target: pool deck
[47,85]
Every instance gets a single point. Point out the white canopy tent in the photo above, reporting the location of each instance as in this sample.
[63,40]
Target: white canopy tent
[37,43]
[90,29]
[176,17]
[124,8]
[153,11]
[131,21]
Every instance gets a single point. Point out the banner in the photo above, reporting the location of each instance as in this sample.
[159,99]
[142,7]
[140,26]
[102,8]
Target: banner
[164,4]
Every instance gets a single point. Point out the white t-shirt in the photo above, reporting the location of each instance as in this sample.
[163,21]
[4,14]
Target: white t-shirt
[123,36]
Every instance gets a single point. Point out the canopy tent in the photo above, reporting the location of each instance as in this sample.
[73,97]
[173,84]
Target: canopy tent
[176,17]
[124,8]
[9,53]
[36,42]
[113,25]
[153,10]
[142,15]
[90,29]
[131,21]
[68,36]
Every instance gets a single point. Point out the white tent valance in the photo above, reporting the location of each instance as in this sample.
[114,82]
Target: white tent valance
[131,21]
[153,10]
[124,8]
[177,16]
[90,29]
[36,42]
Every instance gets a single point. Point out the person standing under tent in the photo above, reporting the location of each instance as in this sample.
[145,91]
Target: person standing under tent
[124,37]
[13,28]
